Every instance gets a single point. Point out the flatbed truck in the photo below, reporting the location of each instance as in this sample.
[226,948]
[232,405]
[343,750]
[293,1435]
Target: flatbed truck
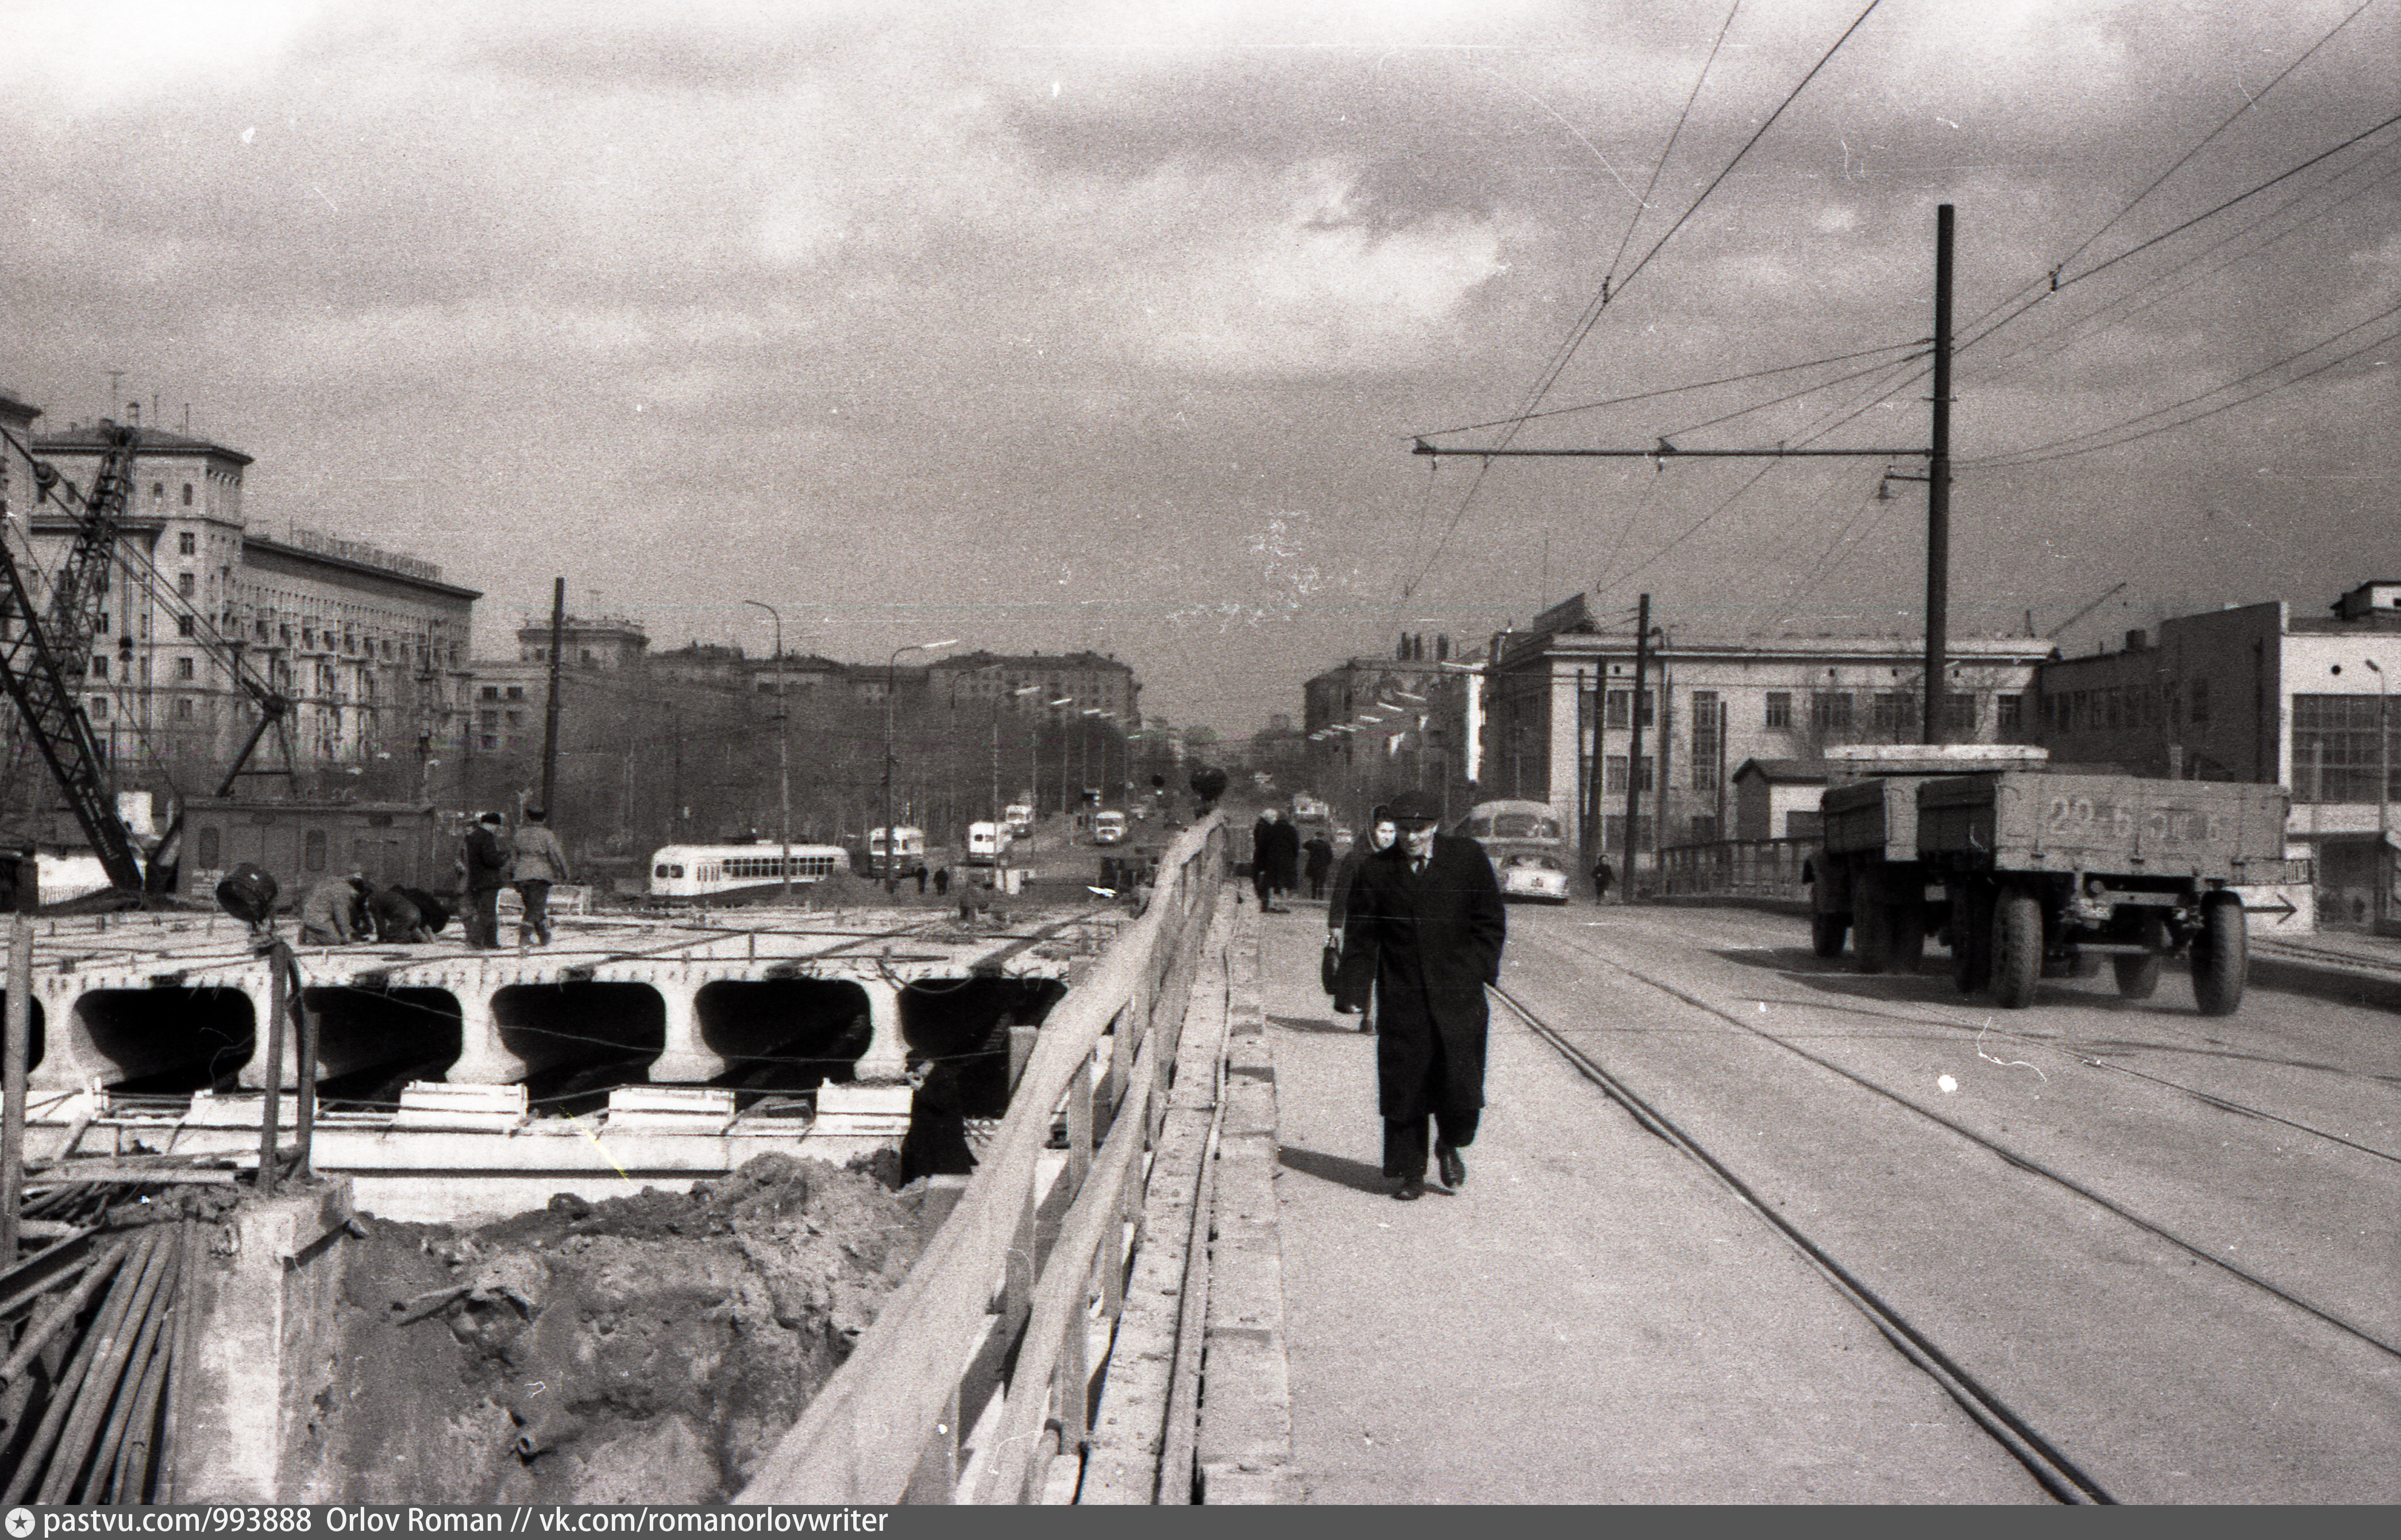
[2043,871]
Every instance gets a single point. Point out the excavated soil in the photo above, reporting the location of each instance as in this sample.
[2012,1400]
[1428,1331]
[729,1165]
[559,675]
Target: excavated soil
[644,1349]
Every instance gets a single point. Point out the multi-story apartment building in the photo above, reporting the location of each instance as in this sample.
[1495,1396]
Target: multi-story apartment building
[2256,692]
[368,645]
[1709,705]
[1376,725]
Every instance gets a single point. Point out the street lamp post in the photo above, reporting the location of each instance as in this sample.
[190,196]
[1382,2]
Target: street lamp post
[2384,794]
[891,693]
[1063,723]
[783,753]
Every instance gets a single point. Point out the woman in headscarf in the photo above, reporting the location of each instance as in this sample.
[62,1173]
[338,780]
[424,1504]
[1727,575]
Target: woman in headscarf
[1354,983]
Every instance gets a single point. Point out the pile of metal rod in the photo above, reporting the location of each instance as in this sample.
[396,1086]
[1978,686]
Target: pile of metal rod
[94,1326]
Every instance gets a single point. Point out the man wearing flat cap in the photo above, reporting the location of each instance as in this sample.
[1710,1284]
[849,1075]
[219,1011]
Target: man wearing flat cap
[1428,911]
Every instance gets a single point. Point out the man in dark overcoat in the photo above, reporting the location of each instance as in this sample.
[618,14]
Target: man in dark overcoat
[1428,911]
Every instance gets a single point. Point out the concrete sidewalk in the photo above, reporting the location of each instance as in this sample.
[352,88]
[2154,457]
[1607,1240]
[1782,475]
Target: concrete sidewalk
[1592,1319]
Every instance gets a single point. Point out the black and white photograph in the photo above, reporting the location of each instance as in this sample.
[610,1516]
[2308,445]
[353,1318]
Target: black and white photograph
[810,757]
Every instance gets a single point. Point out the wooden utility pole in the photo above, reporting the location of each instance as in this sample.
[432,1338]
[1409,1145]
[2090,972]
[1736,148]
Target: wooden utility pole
[1634,751]
[1938,494]
[550,712]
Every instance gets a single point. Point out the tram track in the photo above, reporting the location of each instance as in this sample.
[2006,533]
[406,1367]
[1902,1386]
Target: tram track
[2014,1157]
[2090,1055]
[2052,1471]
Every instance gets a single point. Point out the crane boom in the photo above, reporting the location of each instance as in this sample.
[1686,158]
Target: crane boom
[40,663]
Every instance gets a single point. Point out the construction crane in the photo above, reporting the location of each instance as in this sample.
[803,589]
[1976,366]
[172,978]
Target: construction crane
[40,659]
[2053,635]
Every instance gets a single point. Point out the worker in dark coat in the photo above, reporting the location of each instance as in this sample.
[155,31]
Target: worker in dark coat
[1430,909]
[484,862]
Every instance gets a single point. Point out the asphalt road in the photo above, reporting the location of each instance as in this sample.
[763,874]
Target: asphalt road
[2169,1243]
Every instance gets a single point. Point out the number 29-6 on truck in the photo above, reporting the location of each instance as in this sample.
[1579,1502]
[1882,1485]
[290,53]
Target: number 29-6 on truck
[2042,872]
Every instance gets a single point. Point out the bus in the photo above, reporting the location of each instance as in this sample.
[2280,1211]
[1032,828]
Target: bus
[987,843]
[1020,820]
[1108,828]
[912,852]
[746,872]
[1526,846]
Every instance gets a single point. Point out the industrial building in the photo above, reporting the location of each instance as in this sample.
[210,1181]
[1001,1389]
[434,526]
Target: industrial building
[2256,692]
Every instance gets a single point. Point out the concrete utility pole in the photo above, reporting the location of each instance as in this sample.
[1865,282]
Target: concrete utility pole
[550,710]
[1938,493]
[1634,751]
[783,753]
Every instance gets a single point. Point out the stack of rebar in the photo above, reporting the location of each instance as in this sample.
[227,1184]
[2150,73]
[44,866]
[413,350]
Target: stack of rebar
[94,1325]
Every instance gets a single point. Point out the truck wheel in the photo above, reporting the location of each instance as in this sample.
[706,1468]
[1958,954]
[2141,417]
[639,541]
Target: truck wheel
[1904,930]
[1826,934]
[2017,948]
[2221,955]
[1971,944]
[1869,936]
[2139,976]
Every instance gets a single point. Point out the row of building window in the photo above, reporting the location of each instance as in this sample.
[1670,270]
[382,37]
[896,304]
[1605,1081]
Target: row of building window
[2123,707]
[1830,712]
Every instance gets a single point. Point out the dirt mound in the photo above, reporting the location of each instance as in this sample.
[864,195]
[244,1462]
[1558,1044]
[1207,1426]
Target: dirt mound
[639,1349]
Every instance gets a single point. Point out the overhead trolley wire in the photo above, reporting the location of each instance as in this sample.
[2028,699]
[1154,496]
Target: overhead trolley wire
[2250,100]
[2066,334]
[1567,352]
[2058,283]
[2058,449]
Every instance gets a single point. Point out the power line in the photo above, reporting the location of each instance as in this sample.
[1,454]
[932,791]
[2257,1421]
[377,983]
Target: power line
[2040,454]
[1674,390]
[2250,100]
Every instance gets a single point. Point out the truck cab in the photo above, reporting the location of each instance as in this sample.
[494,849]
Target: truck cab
[1108,828]
[1020,818]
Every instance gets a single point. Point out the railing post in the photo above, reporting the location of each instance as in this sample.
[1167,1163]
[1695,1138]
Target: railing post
[281,966]
[1080,1127]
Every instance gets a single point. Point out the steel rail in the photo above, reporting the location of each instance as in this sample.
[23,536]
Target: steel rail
[2052,1471]
[2022,1162]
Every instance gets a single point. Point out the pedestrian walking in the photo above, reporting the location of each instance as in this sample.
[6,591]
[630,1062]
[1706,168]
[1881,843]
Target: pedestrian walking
[1318,853]
[1603,875]
[484,862]
[1354,982]
[540,861]
[1265,846]
[1287,855]
[1430,909]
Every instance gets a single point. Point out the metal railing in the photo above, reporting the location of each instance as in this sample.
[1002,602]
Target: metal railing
[1736,868]
[1013,1275]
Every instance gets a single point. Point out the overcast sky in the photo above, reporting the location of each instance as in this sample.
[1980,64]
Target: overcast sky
[1051,325]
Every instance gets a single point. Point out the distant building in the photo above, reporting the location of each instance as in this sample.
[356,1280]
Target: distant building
[1709,705]
[1055,684]
[369,646]
[1376,725]
[2257,693]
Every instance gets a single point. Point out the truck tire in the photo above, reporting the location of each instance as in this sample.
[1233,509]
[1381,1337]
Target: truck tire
[2138,978]
[1826,934]
[2017,948]
[2221,955]
[1869,936]
[1971,939]
[1904,930]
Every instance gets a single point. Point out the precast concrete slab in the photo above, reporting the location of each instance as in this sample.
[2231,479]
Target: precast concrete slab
[632,1051]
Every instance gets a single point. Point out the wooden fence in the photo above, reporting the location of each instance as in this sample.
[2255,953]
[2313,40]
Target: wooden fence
[1012,1277]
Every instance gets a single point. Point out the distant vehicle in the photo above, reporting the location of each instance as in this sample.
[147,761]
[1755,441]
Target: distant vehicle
[987,843]
[1527,847]
[1310,809]
[1020,820]
[912,852]
[715,871]
[1108,828]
